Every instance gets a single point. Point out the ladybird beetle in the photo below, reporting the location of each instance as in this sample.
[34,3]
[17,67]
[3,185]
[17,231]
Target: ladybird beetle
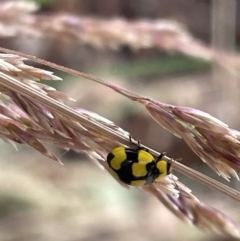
[137,167]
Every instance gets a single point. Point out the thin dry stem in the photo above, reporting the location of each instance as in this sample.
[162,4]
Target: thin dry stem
[65,110]
[166,35]
[39,115]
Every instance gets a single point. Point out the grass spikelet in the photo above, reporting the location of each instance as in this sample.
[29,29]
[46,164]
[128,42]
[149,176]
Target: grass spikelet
[32,115]
[211,139]
[162,34]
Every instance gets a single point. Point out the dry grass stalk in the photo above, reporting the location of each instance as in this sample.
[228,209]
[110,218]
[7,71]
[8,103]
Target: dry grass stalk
[166,35]
[211,139]
[121,139]
[32,113]
[192,211]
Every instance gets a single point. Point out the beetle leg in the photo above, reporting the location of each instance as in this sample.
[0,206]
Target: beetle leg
[161,156]
[138,143]
[130,138]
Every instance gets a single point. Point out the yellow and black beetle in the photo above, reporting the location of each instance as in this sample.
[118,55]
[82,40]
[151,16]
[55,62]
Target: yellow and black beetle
[137,167]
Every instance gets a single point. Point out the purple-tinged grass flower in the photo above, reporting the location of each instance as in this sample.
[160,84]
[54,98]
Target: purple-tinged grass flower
[32,114]
[211,139]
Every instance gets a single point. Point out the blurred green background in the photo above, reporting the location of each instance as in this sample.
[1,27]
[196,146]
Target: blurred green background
[41,200]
